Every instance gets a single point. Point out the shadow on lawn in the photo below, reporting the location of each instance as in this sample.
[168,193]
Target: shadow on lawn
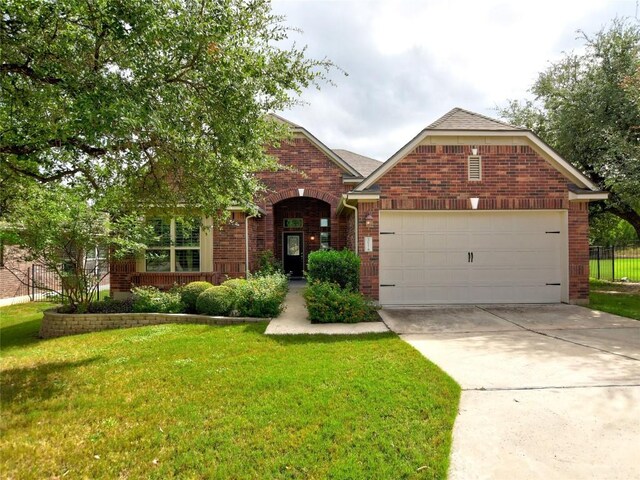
[37,383]
[20,334]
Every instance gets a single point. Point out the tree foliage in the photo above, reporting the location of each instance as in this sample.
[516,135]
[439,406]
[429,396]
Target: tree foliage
[156,102]
[587,106]
[58,228]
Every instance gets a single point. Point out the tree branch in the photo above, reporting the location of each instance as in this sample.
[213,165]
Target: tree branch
[39,177]
[68,142]
[29,72]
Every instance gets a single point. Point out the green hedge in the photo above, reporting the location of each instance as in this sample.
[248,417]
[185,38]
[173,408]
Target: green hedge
[151,300]
[335,266]
[217,301]
[329,303]
[190,293]
[260,295]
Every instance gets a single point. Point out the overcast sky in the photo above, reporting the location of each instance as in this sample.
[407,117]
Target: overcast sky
[410,62]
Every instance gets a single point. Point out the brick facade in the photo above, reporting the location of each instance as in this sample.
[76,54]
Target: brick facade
[434,177]
[579,252]
[307,167]
[431,177]
[13,284]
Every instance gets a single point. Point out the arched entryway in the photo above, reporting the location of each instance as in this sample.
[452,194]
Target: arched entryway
[301,225]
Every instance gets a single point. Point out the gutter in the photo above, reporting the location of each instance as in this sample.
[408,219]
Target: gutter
[355,210]
[246,244]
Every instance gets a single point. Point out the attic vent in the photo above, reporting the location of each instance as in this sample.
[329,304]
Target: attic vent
[475,167]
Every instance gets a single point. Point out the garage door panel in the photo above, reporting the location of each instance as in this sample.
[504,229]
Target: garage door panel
[507,276]
[515,255]
[413,241]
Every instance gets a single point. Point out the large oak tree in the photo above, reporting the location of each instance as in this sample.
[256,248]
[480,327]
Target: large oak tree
[587,106]
[145,102]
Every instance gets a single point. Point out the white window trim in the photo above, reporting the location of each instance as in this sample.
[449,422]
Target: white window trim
[172,250]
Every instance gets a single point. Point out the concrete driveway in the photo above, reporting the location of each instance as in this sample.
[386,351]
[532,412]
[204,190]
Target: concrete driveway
[549,391]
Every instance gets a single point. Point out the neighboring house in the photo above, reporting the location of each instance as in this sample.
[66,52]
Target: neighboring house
[13,281]
[410,219]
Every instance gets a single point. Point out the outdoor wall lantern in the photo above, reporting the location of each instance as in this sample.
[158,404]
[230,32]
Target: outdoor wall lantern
[301,192]
[368,220]
[474,202]
[474,151]
[312,238]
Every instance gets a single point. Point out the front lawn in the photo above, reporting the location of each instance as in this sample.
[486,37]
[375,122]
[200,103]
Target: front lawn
[619,298]
[622,268]
[193,401]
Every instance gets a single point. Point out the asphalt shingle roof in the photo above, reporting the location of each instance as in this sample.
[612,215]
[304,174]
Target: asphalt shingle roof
[364,165]
[460,119]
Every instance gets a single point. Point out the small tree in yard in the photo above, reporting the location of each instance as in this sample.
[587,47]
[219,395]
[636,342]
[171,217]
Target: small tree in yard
[59,228]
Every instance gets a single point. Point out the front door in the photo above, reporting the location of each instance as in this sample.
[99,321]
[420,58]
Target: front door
[293,255]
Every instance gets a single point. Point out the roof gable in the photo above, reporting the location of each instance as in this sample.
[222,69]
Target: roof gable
[335,158]
[463,121]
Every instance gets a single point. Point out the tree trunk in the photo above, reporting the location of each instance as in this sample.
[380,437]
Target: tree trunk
[627,214]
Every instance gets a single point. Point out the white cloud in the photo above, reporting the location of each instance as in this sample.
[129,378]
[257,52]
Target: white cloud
[411,61]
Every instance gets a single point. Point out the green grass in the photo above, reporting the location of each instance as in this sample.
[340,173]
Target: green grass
[617,298]
[192,401]
[623,267]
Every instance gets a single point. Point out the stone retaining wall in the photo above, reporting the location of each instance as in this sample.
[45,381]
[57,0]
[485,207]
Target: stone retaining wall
[55,324]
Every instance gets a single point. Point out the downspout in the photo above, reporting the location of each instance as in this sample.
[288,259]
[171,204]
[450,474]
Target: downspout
[246,244]
[355,210]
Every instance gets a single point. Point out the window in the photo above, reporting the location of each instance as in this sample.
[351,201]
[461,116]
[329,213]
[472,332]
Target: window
[324,222]
[176,247]
[324,240]
[475,167]
[96,261]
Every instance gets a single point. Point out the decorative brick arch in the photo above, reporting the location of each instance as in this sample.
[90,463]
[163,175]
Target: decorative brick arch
[331,199]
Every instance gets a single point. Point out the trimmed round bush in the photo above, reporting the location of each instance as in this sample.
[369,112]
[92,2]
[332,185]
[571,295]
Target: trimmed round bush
[215,301]
[190,293]
[235,283]
[149,299]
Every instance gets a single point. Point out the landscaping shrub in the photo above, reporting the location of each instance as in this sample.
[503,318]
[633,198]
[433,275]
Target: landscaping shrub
[152,300]
[111,306]
[190,292]
[268,264]
[234,283]
[328,303]
[334,266]
[216,301]
[261,295]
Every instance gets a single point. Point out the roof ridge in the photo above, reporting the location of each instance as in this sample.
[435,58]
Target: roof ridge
[443,119]
[488,118]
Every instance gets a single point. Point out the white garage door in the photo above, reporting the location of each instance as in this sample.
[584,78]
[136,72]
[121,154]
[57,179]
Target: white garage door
[471,257]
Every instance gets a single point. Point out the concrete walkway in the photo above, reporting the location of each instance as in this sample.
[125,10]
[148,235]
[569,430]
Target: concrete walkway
[549,391]
[293,321]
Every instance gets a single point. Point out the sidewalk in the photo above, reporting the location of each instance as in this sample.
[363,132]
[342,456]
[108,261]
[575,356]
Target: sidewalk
[293,321]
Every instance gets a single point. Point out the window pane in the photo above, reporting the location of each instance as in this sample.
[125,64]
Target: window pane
[324,222]
[187,233]
[293,246]
[162,232]
[158,260]
[324,240]
[187,260]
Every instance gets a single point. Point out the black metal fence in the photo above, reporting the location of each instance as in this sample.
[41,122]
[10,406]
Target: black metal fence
[615,263]
[44,284]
